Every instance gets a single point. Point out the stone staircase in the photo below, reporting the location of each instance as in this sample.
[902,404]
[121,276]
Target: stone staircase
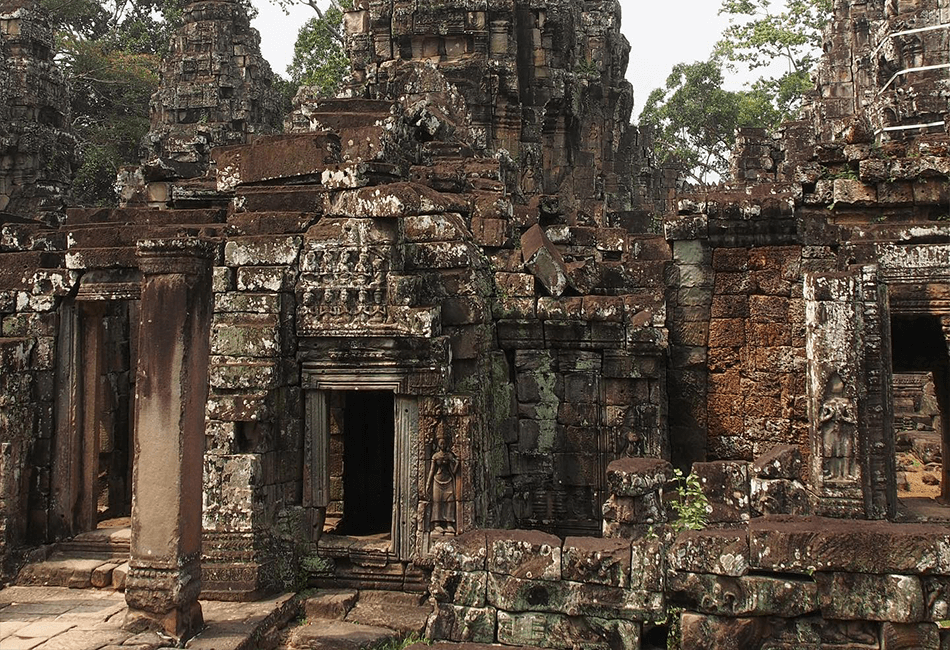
[347,619]
[95,559]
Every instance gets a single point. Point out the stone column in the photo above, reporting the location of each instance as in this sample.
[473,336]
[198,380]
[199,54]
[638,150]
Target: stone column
[945,422]
[171,390]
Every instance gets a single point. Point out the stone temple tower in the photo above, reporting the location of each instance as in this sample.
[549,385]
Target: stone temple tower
[215,90]
[888,62]
[543,81]
[37,154]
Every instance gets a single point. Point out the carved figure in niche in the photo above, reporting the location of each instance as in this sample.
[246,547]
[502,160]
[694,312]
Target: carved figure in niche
[838,422]
[630,444]
[441,487]
[378,308]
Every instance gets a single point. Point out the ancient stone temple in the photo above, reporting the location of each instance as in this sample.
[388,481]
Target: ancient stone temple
[450,333]
[36,151]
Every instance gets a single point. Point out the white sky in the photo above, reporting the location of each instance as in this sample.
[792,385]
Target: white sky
[661,34]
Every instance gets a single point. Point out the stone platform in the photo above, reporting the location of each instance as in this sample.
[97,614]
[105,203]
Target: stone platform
[59,618]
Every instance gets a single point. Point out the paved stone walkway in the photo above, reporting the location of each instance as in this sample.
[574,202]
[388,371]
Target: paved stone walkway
[59,618]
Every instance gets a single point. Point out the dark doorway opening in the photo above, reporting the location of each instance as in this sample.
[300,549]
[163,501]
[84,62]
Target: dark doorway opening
[368,445]
[919,346]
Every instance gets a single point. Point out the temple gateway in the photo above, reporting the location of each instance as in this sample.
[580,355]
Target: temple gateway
[451,333]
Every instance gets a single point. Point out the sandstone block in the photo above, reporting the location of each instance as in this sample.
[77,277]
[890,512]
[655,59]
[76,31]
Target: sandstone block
[466,552]
[862,596]
[804,544]
[705,631]
[462,624]
[778,497]
[596,561]
[782,461]
[744,596]
[524,554]
[253,303]
[562,632]
[633,477]
[245,335]
[264,250]
[543,260]
[265,278]
[721,552]
[726,486]
[462,588]
[330,604]
[643,509]
[922,636]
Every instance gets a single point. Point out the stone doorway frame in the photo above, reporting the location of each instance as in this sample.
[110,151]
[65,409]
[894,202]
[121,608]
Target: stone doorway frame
[75,452]
[908,272]
[317,382]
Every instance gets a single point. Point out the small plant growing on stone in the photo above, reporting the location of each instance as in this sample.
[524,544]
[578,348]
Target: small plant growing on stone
[691,506]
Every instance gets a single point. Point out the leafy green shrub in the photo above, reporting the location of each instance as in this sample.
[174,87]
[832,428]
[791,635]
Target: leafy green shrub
[691,506]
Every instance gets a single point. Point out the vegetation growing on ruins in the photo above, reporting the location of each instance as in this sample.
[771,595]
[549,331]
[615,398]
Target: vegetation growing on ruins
[110,53]
[319,58]
[695,117]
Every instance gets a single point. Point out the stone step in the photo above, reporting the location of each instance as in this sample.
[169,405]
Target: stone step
[399,611]
[75,573]
[104,543]
[338,635]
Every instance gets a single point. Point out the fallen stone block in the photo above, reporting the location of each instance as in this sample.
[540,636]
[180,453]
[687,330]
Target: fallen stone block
[921,636]
[632,477]
[466,589]
[721,552]
[597,561]
[782,461]
[562,632]
[543,260]
[726,486]
[524,554]
[462,624]
[744,596]
[778,497]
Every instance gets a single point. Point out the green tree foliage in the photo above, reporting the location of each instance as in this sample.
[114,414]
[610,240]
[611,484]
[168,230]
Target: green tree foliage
[110,52]
[694,119]
[761,33]
[319,59]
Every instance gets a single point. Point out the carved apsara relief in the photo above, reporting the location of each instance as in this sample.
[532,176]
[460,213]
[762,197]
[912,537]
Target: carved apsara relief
[837,425]
[440,484]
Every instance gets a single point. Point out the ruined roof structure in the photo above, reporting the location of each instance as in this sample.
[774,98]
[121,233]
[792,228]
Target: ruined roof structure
[429,340]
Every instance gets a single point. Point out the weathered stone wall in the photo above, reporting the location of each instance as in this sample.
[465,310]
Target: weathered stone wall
[29,299]
[747,580]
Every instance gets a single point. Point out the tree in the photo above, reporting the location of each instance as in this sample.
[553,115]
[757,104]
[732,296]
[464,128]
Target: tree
[111,54]
[695,120]
[319,58]
[759,35]
[111,51]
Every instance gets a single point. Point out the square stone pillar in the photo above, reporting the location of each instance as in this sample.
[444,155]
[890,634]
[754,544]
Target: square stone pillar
[847,340]
[164,577]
